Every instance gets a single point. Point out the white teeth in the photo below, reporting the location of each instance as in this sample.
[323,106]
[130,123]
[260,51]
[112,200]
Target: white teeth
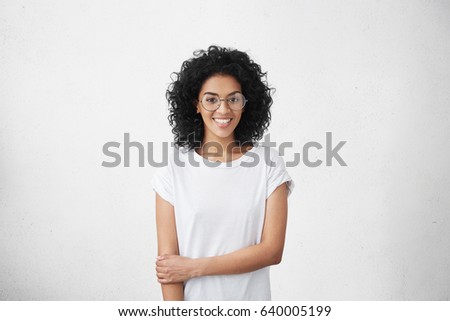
[223,121]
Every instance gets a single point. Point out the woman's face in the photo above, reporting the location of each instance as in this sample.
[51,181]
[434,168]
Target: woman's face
[221,123]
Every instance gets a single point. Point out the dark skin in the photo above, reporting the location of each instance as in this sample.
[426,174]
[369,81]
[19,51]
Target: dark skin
[171,268]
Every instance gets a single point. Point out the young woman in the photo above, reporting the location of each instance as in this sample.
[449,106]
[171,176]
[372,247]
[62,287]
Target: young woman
[221,203]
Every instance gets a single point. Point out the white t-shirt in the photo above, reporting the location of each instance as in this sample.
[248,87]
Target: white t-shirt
[220,208]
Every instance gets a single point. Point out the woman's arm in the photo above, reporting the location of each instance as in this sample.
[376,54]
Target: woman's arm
[174,268]
[167,244]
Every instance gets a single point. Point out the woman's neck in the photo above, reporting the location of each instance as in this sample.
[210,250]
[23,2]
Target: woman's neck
[223,150]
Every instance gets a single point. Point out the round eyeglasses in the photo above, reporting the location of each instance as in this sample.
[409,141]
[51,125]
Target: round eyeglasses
[212,102]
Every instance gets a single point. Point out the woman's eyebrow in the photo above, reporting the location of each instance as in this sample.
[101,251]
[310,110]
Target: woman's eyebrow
[211,93]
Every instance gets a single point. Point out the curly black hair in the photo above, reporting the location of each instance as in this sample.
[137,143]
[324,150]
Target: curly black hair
[182,94]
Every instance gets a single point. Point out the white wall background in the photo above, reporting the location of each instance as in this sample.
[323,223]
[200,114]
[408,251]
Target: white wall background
[77,74]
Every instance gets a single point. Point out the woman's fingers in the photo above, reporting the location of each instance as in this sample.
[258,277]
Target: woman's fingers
[162,277]
[163,260]
[172,269]
[164,257]
[160,263]
[162,269]
[165,279]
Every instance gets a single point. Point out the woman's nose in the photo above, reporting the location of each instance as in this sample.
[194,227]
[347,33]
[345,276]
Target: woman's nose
[223,107]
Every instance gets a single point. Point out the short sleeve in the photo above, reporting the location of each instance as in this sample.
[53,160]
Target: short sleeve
[278,175]
[162,184]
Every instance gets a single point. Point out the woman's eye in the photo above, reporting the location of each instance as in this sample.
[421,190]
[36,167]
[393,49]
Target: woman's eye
[211,100]
[234,100]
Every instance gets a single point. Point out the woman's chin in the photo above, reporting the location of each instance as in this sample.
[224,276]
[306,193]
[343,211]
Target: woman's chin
[221,132]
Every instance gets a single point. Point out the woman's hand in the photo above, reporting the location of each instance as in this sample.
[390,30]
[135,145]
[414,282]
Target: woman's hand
[175,268]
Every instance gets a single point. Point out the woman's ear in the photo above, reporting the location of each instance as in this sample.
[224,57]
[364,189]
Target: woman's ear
[195,103]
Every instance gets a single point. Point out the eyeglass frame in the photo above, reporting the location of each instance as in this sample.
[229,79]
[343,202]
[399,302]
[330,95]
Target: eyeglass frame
[223,99]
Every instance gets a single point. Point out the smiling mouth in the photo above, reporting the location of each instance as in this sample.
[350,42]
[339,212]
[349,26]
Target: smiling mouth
[222,120]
